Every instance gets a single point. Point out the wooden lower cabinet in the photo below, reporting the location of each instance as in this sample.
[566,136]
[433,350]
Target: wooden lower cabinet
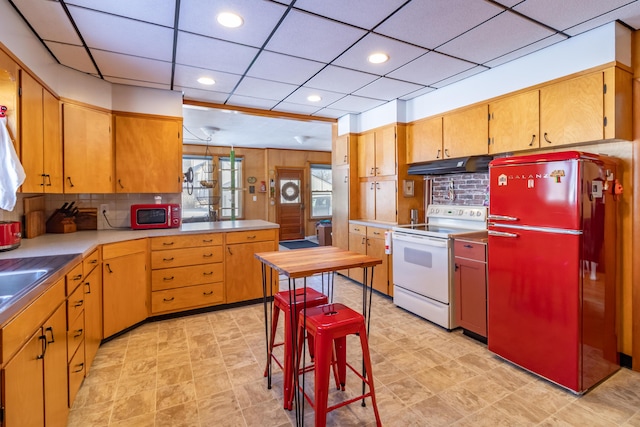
[369,240]
[125,289]
[187,272]
[471,286]
[92,288]
[243,272]
[35,378]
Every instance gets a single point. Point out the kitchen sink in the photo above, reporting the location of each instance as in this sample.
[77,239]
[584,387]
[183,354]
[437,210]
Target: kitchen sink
[13,283]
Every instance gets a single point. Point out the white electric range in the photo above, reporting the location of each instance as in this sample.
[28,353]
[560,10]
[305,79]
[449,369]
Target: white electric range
[423,262]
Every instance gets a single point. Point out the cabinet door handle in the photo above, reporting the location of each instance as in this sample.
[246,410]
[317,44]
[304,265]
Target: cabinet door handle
[438,154]
[547,139]
[206,294]
[42,182]
[251,237]
[88,285]
[42,338]
[70,183]
[207,241]
[78,333]
[108,268]
[168,279]
[207,255]
[93,261]
[79,303]
[120,184]
[468,246]
[167,259]
[207,273]
[372,185]
[168,299]
[229,250]
[372,171]
[77,277]
[50,329]
[345,158]
[533,138]
[48,184]
[167,243]
[446,152]
[346,179]
[80,368]
[456,267]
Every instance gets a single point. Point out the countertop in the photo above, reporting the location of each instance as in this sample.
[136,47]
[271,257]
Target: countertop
[477,237]
[83,242]
[371,223]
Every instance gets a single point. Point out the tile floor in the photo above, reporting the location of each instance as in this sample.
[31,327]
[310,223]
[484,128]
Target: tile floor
[206,370]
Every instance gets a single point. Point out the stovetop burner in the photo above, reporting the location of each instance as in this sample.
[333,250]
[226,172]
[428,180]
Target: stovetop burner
[448,220]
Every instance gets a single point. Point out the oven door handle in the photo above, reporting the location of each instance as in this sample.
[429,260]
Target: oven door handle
[421,240]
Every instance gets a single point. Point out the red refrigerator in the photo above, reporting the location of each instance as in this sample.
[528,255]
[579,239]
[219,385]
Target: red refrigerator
[552,265]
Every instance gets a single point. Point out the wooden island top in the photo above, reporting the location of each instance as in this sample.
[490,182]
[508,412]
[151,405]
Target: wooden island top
[298,263]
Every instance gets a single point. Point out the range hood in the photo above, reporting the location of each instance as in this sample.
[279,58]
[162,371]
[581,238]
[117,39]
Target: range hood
[446,166]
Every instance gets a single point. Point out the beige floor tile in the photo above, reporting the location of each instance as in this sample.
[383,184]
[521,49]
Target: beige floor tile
[174,375]
[182,415]
[134,405]
[146,420]
[209,385]
[175,394]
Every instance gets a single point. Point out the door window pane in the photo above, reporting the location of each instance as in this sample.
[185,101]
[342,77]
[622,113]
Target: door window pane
[321,190]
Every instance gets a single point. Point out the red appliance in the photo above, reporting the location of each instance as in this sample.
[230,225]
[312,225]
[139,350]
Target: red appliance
[150,216]
[552,265]
[10,235]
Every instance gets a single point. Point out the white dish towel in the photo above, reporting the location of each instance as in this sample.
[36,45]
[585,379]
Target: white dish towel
[11,172]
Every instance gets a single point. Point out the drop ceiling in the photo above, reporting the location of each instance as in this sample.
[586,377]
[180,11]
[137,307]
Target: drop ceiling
[288,50]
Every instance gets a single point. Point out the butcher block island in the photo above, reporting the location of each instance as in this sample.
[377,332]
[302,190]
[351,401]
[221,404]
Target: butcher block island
[55,314]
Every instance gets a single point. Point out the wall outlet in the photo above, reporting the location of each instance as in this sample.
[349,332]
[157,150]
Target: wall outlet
[104,209]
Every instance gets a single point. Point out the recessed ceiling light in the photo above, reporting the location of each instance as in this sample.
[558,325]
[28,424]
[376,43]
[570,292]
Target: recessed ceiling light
[229,20]
[206,81]
[314,98]
[378,58]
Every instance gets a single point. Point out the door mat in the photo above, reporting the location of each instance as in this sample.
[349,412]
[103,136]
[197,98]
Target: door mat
[298,244]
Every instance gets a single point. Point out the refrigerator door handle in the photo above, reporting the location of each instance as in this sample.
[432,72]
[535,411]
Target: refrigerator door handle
[501,234]
[501,218]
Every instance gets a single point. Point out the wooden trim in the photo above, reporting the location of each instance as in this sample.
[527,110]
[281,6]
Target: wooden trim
[259,112]
[145,116]
[85,105]
[635,240]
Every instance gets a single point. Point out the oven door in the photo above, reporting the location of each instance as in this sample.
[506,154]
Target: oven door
[421,265]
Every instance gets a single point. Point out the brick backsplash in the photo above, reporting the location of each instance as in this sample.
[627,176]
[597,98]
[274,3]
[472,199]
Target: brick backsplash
[468,189]
[119,206]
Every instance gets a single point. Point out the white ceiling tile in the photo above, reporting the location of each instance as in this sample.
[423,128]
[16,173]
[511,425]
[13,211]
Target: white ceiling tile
[283,68]
[307,36]
[122,66]
[417,93]
[541,44]
[432,23]
[354,104]
[629,14]
[260,18]
[300,97]
[430,68]
[399,54]
[137,83]
[503,34]
[160,12]
[351,12]
[248,101]
[340,79]
[49,20]
[75,57]
[266,89]
[567,13]
[289,107]
[387,89]
[188,77]
[509,3]
[458,77]
[331,113]
[212,54]
[131,38]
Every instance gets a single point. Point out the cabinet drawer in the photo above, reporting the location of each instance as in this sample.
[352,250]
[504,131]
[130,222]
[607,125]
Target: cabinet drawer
[75,335]
[375,232]
[358,229]
[470,250]
[90,262]
[182,257]
[74,278]
[75,305]
[251,236]
[20,329]
[76,374]
[115,250]
[170,278]
[185,241]
[186,298]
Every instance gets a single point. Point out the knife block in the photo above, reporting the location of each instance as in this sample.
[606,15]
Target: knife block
[60,223]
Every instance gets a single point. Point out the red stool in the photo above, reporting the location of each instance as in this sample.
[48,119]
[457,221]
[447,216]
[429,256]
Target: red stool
[281,301]
[329,324]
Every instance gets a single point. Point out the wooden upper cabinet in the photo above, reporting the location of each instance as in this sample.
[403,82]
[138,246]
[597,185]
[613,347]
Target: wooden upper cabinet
[148,154]
[41,142]
[341,150]
[385,154]
[466,132]
[514,123]
[572,111]
[424,140]
[366,155]
[9,83]
[88,150]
